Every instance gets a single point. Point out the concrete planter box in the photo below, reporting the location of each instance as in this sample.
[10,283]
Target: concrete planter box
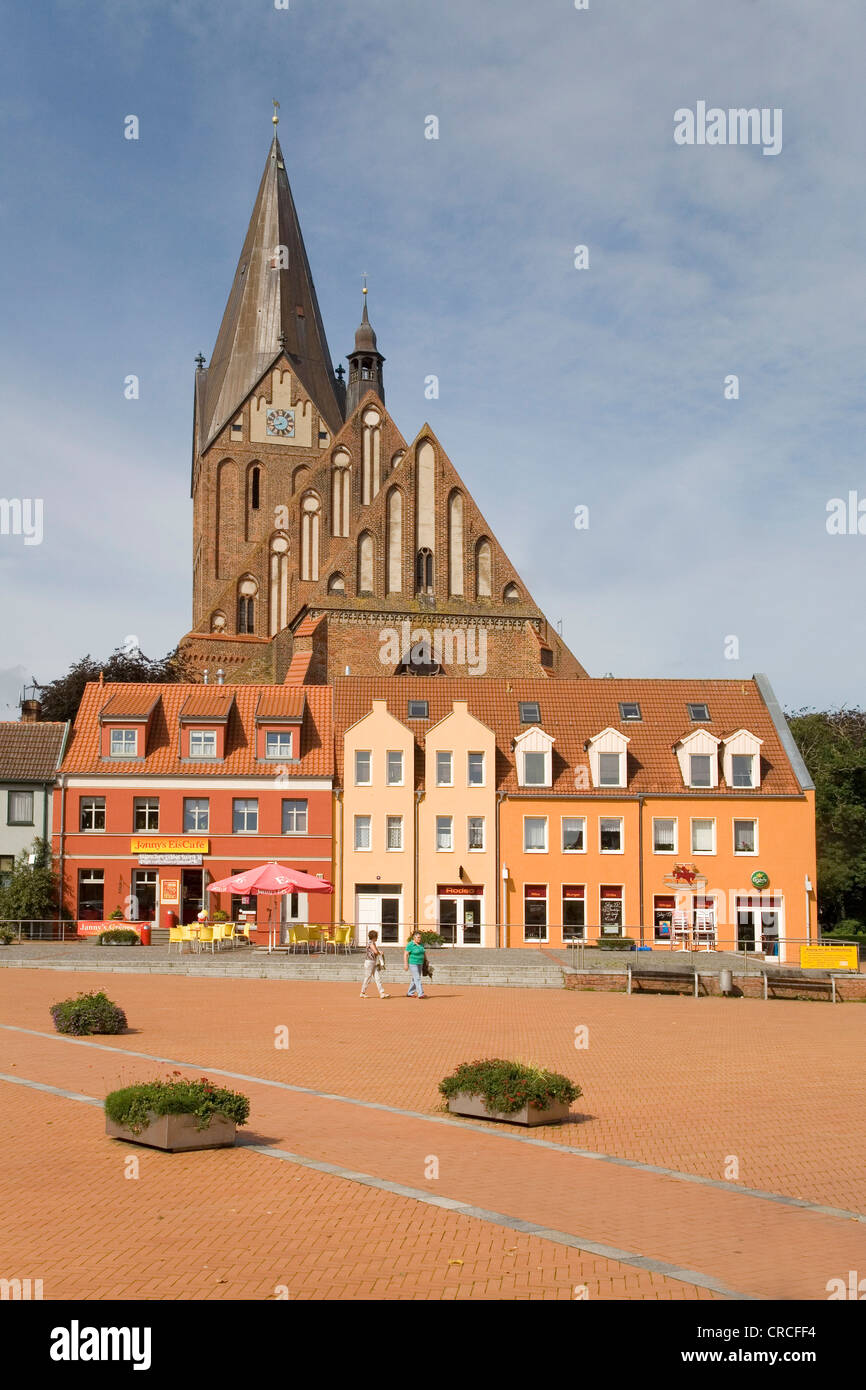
[464,1104]
[177,1133]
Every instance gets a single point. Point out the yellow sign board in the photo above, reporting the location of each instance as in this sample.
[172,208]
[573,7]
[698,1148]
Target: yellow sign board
[828,958]
[168,844]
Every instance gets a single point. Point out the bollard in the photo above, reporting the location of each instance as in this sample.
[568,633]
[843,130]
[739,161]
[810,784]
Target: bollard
[726,981]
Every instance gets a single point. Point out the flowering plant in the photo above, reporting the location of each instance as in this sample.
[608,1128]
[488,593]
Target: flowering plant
[508,1086]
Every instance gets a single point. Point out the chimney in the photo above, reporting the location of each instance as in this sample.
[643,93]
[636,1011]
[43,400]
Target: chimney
[31,705]
[221,675]
[204,676]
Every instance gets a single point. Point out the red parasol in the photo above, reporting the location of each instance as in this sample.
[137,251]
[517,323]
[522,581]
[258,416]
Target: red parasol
[271,878]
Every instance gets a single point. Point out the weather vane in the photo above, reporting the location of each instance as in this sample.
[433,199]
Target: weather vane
[275,118]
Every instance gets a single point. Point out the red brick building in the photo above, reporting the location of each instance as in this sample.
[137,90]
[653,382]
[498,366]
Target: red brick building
[167,788]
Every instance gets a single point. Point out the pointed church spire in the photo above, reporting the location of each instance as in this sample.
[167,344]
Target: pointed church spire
[365,363]
[272,308]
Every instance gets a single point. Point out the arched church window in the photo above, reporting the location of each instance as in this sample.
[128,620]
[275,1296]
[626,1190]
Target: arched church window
[337,583]
[365,563]
[247,591]
[511,594]
[255,478]
[424,571]
[310,509]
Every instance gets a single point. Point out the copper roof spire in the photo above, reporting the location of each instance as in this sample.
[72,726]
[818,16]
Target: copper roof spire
[272,293]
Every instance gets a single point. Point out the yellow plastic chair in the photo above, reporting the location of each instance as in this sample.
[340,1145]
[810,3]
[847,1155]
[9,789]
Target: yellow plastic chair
[300,936]
[187,934]
[230,933]
[314,934]
[175,938]
[343,937]
[205,935]
[217,935]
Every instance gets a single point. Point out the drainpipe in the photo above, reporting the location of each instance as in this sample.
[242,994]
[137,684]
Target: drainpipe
[62,780]
[640,806]
[418,795]
[339,851]
[500,797]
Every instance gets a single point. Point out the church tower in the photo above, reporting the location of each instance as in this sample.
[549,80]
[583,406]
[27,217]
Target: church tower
[365,364]
[321,536]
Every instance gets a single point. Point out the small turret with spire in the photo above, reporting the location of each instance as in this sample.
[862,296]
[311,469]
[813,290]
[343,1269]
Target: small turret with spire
[365,363]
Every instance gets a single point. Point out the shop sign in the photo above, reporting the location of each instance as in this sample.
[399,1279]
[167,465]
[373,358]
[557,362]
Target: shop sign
[170,859]
[569,891]
[458,890]
[760,879]
[96,928]
[685,875]
[169,844]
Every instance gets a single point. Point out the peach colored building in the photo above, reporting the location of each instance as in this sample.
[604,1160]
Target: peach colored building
[676,813]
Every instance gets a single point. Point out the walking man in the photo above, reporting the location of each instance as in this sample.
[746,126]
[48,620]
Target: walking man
[374,962]
[413,961]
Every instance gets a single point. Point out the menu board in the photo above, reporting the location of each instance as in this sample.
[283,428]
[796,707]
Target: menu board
[611,912]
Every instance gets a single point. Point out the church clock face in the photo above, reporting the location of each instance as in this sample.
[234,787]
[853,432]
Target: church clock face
[281,423]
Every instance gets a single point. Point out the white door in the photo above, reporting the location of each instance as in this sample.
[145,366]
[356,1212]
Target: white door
[379,912]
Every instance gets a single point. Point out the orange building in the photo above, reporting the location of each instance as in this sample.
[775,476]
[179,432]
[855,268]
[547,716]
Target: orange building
[548,812]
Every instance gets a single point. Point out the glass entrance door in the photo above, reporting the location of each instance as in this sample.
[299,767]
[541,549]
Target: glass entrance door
[448,920]
[471,921]
[191,894]
[460,921]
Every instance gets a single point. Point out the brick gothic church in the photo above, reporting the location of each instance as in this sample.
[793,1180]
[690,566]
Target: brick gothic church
[318,529]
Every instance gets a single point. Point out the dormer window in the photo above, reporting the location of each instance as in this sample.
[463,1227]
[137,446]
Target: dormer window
[534,770]
[698,757]
[610,769]
[741,767]
[608,753]
[533,755]
[700,770]
[202,743]
[279,744]
[124,743]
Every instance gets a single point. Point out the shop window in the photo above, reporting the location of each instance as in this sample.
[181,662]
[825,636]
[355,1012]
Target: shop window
[92,813]
[91,895]
[145,813]
[610,909]
[663,915]
[535,912]
[573,912]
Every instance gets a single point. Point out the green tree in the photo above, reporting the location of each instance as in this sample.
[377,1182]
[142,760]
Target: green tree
[833,746]
[61,698]
[30,891]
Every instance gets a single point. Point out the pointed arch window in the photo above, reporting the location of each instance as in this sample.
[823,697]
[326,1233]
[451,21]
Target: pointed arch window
[310,519]
[340,493]
[247,591]
[279,583]
[455,544]
[395,541]
[483,568]
[424,571]
[365,563]
[255,488]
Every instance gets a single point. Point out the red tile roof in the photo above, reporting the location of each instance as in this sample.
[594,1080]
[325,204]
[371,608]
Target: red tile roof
[30,752]
[208,702]
[130,703]
[574,711]
[281,704]
[162,757]
[298,668]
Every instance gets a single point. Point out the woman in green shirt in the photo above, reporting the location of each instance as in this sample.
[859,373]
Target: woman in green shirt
[413,961]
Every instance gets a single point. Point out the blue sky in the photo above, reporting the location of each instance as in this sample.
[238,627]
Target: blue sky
[558,387]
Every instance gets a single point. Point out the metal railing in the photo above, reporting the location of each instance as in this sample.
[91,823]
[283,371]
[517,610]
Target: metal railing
[749,960]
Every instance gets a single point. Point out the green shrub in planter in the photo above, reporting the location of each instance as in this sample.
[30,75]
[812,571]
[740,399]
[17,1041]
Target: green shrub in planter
[116,915]
[134,1106]
[88,1013]
[508,1086]
[7,936]
[432,938]
[615,943]
[119,936]
[219,916]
